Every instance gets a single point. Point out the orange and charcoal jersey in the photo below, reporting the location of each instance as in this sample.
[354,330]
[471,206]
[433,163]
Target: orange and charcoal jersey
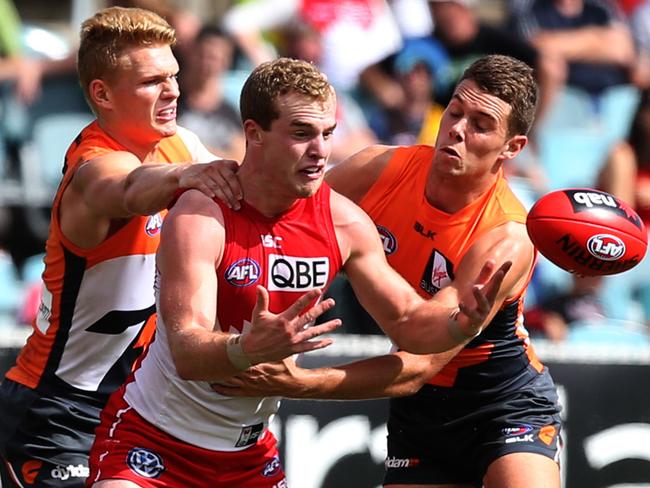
[95,303]
[425,245]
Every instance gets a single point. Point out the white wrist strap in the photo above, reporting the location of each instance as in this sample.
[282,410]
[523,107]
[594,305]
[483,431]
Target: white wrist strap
[236,354]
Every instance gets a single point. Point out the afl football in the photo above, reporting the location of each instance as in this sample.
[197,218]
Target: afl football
[587,232]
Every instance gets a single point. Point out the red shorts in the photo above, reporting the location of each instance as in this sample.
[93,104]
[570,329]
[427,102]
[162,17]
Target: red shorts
[128,447]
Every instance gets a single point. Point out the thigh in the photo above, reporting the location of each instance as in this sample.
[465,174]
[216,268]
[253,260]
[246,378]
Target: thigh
[523,470]
[49,441]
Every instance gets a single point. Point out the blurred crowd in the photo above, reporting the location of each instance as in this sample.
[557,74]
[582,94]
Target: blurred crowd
[393,63]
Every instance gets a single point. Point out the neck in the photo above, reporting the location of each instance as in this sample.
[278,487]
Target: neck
[261,193]
[451,193]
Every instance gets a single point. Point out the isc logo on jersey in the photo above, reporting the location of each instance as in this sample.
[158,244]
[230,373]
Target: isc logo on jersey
[243,272]
[153,225]
[289,273]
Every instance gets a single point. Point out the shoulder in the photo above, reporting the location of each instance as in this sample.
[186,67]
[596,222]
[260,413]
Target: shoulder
[198,152]
[354,176]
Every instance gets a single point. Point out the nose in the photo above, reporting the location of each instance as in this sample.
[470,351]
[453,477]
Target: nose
[319,147]
[171,89]
[457,130]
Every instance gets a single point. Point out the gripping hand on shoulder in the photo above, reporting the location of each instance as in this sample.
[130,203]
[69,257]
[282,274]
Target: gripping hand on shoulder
[215,179]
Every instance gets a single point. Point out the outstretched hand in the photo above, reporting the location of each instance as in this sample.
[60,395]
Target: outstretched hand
[217,179]
[470,319]
[276,336]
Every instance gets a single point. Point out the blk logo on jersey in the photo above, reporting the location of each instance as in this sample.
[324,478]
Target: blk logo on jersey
[153,225]
[387,239]
[144,462]
[243,272]
[289,273]
[438,273]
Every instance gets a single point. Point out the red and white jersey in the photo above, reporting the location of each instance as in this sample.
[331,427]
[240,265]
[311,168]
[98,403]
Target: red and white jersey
[96,301]
[289,255]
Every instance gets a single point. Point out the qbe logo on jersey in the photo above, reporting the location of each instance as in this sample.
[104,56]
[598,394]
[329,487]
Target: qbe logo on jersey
[289,273]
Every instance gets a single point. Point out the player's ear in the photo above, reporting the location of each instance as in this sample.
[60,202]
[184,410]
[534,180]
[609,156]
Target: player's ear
[514,146]
[252,131]
[99,93]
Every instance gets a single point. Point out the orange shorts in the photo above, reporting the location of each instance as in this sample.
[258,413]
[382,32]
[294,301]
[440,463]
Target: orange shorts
[128,447]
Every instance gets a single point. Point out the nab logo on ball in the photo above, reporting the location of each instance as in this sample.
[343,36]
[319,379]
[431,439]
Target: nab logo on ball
[387,239]
[589,200]
[289,273]
[606,247]
[243,272]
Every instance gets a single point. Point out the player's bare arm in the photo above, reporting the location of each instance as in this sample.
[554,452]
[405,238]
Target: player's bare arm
[190,250]
[413,324]
[117,186]
[400,373]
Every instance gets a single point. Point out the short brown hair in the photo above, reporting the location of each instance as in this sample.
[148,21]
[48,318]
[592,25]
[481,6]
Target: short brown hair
[512,81]
[272,79]
[108,33]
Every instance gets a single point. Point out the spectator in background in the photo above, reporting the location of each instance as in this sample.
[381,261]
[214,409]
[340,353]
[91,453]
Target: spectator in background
[465,37]
[355,35]
[19,67]
[421,68]
[580,304]
[203,108]
[590,38]
[300,40]
[639,20]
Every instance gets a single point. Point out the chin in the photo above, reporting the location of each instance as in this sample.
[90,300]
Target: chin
[167,130]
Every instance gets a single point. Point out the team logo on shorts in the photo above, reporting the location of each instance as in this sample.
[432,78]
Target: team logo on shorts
[387,240]
[272,467]
[153,225]
[144,462]
[243,272]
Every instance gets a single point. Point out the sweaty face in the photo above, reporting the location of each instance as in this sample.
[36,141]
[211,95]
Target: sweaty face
[298,144]
[143,92]
[473,132]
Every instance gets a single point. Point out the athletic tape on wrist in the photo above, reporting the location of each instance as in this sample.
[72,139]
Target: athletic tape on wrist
[455,331]
[236,354]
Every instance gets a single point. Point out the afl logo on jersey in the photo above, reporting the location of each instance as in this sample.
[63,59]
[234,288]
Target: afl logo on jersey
[243,272]
[153,225]
[387,239]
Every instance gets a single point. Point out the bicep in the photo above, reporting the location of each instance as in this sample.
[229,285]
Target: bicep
[380,289]
[102,183]
[187,257]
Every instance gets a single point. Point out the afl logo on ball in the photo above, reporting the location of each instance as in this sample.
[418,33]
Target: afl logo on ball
[243,272]
[606,247]
[153,225]
[387,239]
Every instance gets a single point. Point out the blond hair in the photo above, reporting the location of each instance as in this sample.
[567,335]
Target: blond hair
[108,33]
[272,79]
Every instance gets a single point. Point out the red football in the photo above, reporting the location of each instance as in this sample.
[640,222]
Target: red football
[587,232]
